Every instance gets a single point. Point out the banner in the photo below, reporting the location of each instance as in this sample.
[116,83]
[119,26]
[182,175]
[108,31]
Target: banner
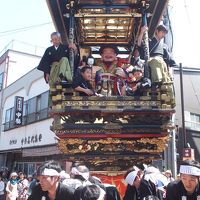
[116,180]
[19,102]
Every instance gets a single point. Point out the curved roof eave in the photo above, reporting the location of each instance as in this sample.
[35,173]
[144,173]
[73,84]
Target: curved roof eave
[58,13]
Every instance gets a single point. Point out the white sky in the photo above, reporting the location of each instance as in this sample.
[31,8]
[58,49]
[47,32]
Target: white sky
[15,14]
[185,15]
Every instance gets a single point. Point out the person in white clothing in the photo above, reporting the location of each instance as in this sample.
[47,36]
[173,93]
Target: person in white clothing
[11,187]
[22,187]
[2,187]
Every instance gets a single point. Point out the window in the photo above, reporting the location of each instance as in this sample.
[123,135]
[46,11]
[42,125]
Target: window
[38,107]
[31,110]
[31,168]
[34,109]
[1,81]
[27,167]
[31,106]
[44,105]
[25,170]
[38,103]
[8,113]
[195,121]
[20,167]
[25,106]
[12,123]
[9,119]
[195,118]
[44,100]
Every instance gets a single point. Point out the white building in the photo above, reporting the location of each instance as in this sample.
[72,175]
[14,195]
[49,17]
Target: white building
[26,144]
[22,146]
[14,64]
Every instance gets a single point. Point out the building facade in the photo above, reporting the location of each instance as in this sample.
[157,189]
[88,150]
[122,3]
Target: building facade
[23,146]
[191,135]
[191,92]
[18,141]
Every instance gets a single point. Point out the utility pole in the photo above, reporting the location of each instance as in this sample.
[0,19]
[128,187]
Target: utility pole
[188,152]
[182,107]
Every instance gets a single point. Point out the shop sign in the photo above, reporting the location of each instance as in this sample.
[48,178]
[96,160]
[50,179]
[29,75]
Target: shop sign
[19,101]
[31,139]
[27,140]
[14,141]
[188,153]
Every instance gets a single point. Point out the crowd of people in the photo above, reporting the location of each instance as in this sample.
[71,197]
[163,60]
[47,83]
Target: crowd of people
[17,186]
[109,75]
[52,183]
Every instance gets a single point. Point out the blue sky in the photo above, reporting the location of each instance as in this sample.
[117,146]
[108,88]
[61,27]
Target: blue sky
[25,13]
[15,14]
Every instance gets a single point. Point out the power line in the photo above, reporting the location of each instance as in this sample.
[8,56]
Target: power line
[25,27]
[9,32]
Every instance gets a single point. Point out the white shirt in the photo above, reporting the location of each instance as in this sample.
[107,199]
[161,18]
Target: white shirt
[2,186]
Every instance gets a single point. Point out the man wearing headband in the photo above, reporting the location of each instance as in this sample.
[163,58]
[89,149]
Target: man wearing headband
[187,188]
[139,186]
[92,187]
[50,187]
[82,173]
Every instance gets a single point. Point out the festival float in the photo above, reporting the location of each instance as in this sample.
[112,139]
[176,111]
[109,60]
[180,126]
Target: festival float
[110,133]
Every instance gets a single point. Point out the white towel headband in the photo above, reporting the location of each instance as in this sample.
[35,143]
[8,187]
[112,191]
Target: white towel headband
[190,170]
[130,178]
[50,172]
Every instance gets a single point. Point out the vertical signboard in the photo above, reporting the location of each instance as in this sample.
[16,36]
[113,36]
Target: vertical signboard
[188,153]
[19,102]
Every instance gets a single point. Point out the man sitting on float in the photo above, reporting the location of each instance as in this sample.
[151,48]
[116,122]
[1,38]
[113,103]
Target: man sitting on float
[54,62]
[160,57]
